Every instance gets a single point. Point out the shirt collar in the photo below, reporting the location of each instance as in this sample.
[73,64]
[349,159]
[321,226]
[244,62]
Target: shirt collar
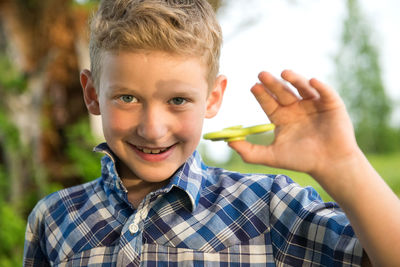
[111,179]
[190,177]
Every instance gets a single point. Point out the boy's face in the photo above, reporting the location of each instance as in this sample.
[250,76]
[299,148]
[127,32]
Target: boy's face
[152,106]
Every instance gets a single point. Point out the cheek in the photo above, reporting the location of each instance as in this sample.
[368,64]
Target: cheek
[116,121]
[191,124]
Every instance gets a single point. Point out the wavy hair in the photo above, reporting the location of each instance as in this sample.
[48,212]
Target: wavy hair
[181,27]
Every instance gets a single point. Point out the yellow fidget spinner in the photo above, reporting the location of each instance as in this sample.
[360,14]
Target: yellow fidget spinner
[237,133]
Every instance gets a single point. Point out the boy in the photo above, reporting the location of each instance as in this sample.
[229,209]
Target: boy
[153,80]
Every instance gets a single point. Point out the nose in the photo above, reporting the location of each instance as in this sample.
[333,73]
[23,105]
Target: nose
[153,124]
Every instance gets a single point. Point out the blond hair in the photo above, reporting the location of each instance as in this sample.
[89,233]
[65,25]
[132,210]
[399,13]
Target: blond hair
[181,27]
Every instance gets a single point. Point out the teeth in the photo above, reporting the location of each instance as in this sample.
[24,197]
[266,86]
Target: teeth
[153,151]
[147,151]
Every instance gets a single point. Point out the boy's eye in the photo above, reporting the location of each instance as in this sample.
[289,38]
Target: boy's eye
[128,99]
[178,101]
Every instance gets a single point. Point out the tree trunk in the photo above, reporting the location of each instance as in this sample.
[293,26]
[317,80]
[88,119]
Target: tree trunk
[42,38]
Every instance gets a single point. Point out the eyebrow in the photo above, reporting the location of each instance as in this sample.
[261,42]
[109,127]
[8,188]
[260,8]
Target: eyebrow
[163,88]
[177,87]
[121,89]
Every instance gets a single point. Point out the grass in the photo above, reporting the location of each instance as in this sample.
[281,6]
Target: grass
[386,165]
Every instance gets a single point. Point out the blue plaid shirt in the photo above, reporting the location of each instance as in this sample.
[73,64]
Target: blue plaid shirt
[204,217]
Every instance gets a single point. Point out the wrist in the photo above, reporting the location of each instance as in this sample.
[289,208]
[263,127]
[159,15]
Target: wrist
[369,203]
[341,177]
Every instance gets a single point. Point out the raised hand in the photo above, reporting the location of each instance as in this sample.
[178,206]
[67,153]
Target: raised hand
[313,130]
[314,134]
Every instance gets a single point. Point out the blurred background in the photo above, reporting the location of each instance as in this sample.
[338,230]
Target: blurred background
[46,134]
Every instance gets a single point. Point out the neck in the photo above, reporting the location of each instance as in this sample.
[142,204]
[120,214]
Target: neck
[139,189]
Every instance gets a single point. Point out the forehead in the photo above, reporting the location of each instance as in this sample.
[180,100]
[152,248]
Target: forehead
[150,69]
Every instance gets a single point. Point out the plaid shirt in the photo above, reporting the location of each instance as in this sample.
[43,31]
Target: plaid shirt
[204,217]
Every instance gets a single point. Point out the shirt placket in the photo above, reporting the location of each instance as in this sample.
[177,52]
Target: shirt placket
[131,242]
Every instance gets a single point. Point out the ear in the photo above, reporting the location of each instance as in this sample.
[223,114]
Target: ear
[89,92]
[214,99]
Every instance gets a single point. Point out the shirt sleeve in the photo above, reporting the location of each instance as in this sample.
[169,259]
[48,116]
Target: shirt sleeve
[304,229]
[33,249]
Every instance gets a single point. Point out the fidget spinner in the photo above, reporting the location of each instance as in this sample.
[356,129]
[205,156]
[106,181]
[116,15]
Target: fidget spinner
[237,133]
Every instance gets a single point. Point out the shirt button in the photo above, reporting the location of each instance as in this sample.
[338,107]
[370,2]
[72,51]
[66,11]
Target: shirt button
[133,228]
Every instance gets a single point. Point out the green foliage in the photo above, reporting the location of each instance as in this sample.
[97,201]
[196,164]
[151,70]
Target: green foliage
[359,78]
[3,183]
[11,236]
[11,82]
[12,230]
[11,79]
[80,145]
[9,135]
[12,225]
[387,166]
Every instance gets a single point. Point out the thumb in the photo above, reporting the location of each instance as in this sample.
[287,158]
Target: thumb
[251,153]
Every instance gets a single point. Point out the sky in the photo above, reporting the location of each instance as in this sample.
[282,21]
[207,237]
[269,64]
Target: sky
[302,35]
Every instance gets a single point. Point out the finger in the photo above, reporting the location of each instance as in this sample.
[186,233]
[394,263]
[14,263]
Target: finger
[301,84]
[283,94]
[267,102]
[327,94]
[255,154]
